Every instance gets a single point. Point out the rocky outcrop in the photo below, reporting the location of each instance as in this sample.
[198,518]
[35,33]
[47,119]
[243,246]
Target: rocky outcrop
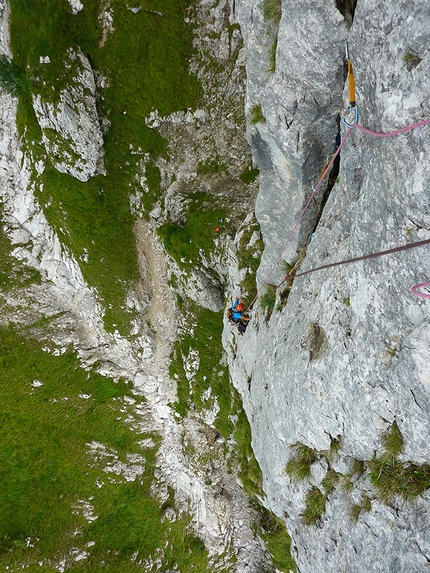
[345,353]
[71,130]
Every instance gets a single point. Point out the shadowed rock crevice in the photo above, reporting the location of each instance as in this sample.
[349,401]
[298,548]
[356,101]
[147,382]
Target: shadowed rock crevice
[347,9]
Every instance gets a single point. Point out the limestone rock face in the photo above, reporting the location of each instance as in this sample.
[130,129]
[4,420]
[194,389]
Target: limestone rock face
[347,353]
[71,126]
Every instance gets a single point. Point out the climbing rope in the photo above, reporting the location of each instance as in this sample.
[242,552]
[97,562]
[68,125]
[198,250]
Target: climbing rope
[371,256]
[328,166]
[354,125]
[416,290]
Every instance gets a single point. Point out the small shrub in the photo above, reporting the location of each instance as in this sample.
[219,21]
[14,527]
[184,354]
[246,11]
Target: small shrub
[257,114]
[272,11]
[315,506]
[347,301]
[299,468]
[272,56]
[411,61]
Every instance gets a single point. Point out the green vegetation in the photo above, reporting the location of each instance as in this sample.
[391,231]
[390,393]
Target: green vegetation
[365,505]
[248,257]
[249,174]
[211,166]
[273,532]
[347,301]
[50,477]
[392,477]
[257,114]
[411,60]
[200,342]
[299,467]
[272,11]
[184,242]
[331,479]
[315,502]
[145,61]
[268,299]
[272,56]
[13,274]
[12,77]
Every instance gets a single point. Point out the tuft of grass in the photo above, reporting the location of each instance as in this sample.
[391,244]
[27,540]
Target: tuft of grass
[330,481]
[365,505]
[392,477]
[268,300]
[358,467]
[272,11]
[299,467]
[315,503]
[257,115]
[272,56]
[392,441]
[335,446]
[411,60]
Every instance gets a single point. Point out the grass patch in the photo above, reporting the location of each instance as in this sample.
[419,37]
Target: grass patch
[272,56]
[330,481]
[365,505]
[299,467]
[272,11]
[392,477]
[12,77]
[315,503]
[249,174]
[392,441]
[201,340]
[146,63]
[257,115]
[201,343]
[184,242]
[249,471]
[273,531]
[268,299]
[51,410]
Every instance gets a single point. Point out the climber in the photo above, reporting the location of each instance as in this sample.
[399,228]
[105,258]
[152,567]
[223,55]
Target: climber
[235,316]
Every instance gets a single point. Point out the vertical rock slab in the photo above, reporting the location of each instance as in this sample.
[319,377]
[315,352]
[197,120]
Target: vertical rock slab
[70,124]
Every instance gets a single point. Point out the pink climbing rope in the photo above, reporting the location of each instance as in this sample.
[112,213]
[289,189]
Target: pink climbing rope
[416,290]
[352,126]
[392,133]
[315,189]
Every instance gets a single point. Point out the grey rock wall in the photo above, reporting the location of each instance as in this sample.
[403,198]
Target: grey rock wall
[348,354]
